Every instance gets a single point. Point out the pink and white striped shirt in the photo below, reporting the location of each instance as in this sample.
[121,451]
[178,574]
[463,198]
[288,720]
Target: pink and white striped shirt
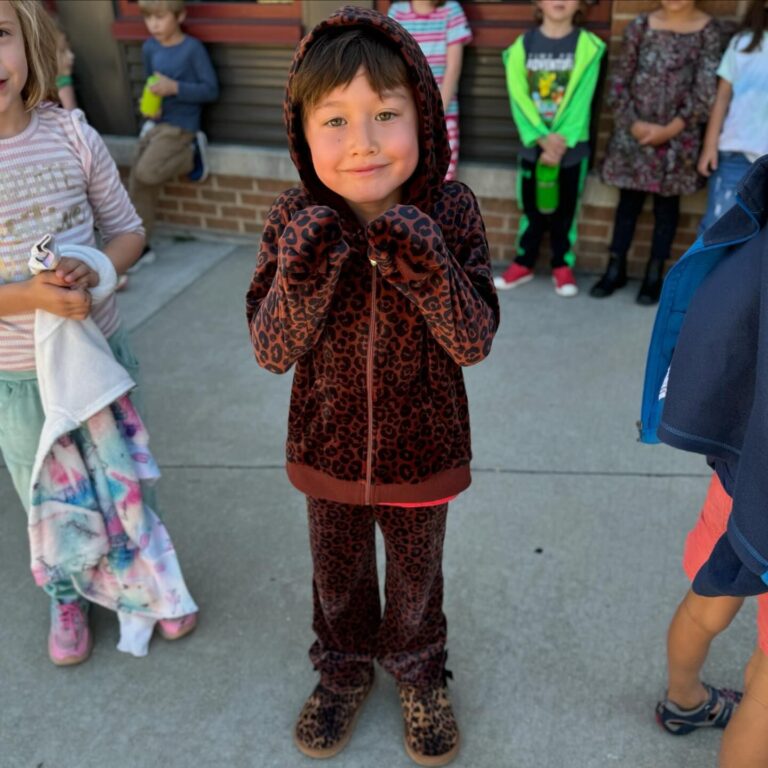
[445,25]
[56,177]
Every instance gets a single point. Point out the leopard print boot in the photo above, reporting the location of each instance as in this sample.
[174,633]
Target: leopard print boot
[328,718]
[431,733]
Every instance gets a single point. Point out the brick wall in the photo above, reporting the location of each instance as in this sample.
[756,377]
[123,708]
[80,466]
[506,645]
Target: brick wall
[236,204]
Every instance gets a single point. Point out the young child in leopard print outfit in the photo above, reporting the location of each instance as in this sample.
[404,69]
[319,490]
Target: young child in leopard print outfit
[374,278]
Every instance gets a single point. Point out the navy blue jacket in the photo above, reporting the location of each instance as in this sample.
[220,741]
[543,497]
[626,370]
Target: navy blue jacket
[706,381]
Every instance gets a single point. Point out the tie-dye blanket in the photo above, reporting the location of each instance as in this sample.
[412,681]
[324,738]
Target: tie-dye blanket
[88,520]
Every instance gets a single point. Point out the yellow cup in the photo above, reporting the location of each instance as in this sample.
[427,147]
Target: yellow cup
[150,103]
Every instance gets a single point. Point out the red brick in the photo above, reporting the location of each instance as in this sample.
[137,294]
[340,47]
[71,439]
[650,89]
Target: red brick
[236,212]
[255,228]
[179,190]
[231,225]
[219,196]
[192,206]
[166,204]
[182,219]
[273,185]
[262,200]
[493,221]
[495,205]
[234,182]
[588,230]
[596,213]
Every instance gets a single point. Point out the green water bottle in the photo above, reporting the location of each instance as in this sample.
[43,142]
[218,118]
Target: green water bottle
[150,103]
[547,187]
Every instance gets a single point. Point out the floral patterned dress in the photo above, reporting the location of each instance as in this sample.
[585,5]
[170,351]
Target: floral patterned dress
[661,75]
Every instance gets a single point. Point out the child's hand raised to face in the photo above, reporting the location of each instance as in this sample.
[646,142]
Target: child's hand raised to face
[73,273]
[312,238]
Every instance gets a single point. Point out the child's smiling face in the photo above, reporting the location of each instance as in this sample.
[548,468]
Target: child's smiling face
[364,145]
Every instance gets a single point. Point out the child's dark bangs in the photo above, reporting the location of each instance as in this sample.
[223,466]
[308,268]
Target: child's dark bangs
[334,60]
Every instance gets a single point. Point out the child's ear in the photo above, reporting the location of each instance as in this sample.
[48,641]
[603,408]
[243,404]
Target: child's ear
[181,17]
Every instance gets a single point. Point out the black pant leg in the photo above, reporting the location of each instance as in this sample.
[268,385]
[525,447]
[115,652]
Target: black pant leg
[561,221]
[666,214]
[630,205]
[532,224]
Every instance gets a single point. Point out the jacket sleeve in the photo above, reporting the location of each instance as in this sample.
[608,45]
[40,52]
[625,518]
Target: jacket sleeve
[297,269]
[204,85]
[699,99]
[452,290]
[619,96]
[528,121]
[574,124]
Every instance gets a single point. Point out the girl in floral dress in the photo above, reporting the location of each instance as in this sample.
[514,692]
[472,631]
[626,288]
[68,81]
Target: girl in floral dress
[661,92]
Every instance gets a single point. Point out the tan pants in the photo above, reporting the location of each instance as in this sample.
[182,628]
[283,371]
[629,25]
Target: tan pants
[163,153]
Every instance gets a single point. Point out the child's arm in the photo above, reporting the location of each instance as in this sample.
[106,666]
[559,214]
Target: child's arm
[454,57]
[114,216]
[700,98]
[458,34]
[294,283]
[708,158]
[199,87]
[528,121]
[453,291]
[44,291]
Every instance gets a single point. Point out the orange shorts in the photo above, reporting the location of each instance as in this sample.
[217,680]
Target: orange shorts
[702,539]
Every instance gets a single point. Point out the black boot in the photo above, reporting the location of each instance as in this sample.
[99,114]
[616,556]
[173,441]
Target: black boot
[615,277]
[650,290]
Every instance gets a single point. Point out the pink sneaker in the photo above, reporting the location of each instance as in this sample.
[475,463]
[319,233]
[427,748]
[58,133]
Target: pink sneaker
[515,275]
[69,641]
[565,282]
[173,629]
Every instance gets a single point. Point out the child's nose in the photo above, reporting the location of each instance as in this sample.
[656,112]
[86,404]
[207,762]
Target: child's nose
[362,140]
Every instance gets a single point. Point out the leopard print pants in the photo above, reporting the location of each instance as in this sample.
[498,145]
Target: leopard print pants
[408,640]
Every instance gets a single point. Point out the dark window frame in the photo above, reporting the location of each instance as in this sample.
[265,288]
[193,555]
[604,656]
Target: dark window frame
[242,23]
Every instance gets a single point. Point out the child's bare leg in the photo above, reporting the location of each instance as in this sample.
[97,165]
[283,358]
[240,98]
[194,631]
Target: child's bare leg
[697,621]
[745,741]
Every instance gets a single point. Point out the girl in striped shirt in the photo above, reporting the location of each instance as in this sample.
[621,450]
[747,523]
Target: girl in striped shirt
[441,30]
[56,177]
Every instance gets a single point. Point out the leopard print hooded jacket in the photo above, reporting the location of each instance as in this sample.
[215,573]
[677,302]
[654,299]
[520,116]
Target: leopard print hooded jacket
[378,319]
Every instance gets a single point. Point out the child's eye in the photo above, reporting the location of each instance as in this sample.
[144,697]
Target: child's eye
[335,122]
[385,117]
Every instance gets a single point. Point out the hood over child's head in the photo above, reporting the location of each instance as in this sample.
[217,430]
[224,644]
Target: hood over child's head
[354,41]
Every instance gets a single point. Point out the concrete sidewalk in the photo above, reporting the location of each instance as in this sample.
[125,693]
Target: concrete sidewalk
[562,560]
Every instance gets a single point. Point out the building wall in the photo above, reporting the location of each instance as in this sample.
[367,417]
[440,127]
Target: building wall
[238,193]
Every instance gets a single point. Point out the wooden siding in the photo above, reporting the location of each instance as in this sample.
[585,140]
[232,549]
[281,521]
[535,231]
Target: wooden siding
[250,105]
[487,131]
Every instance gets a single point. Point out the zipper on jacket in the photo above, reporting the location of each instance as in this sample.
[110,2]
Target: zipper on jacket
[369,385]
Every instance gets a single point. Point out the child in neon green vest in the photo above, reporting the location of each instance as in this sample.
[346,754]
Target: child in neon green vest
[552,71]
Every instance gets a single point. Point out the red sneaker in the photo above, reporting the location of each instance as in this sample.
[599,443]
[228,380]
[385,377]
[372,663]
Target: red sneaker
[565,282]
[515,275]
